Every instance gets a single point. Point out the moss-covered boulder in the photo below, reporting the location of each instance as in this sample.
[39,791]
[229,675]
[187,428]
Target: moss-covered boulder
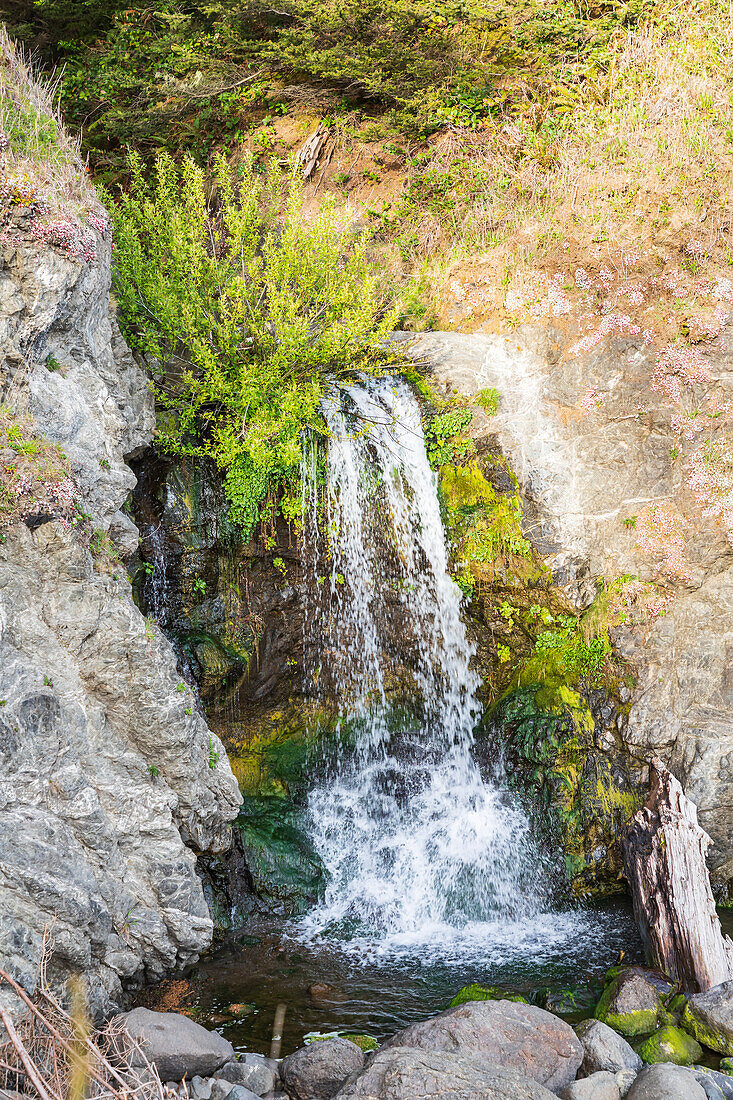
[476,992]
[726,1066]
[284,866]
[709,1017]
[670,1044]
[631,1003]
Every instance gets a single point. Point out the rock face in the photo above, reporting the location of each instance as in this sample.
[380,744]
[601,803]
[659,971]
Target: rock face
[110,779]
[398,1073]
[582,476]
[318,1071]
[709,1017]
[176,1046]
[605,1049]
[502,1033]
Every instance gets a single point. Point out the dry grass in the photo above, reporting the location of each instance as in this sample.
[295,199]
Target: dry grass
[55,1054]
[642,161]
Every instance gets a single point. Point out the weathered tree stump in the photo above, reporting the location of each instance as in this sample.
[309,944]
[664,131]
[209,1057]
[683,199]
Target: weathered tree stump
[664,861]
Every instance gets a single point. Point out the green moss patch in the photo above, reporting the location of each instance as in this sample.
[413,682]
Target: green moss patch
[705,1033]
[670,1044]
[284,866]
[476,992]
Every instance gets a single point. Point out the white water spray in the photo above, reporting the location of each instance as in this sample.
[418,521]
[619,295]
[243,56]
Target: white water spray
[417,844]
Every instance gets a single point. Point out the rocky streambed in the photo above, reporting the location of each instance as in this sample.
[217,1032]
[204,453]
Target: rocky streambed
[645,1041]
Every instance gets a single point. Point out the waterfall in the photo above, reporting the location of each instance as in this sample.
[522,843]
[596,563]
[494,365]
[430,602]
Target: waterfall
[416,842]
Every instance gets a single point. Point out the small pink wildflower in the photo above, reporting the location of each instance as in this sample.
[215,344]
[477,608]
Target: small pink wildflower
[591,400]
[660,533]
[611,323]
[677,367]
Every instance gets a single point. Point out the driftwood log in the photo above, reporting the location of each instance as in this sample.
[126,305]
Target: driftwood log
[307,156]
[664,861]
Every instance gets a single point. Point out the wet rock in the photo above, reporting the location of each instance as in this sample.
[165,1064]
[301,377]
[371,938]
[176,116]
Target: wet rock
[402,1073]
[177,1046]
[254,1071]
[318,1071]
[604,1048]
[630,1004]
[320,989]
[709,1017]
[599,1086]
[502,1033]
[670,1044]
[665,1082]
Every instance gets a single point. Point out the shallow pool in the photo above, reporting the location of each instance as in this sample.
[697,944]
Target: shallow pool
[376,987]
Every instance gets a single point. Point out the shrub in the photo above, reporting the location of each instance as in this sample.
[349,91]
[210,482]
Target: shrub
[246,315]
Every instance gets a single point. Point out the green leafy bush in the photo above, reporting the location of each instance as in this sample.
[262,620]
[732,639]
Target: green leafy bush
[245,314]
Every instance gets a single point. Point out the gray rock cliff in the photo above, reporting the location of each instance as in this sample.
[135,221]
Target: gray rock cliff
[110,780]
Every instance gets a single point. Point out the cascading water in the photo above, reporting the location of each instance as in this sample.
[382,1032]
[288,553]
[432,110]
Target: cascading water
[417,844]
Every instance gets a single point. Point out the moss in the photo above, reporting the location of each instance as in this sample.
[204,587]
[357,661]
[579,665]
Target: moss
[276,753]
[631,1024]
[726,1066]
[704,1033]
[364,1042]
[476,992]
[670,1044]
[281,860]
[582,797]
[484,525]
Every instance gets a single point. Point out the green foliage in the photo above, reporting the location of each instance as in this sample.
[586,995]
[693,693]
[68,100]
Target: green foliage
[483,524]
[153,771]
[566,649]
[445,442]
[213,754]
[488,400]
[245,316]
[192,73]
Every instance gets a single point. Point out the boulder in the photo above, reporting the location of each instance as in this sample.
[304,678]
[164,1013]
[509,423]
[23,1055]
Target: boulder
[630,1004]
[239,1092]
[176,1046]
[718,1086]
[318,1071]
[502,1033]
[408,1073]
[709,1017]
[254,1071]
[604,1048]
[665,1082]
[199,1088]
[599,1086]
[625,1079]
[671,1044]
